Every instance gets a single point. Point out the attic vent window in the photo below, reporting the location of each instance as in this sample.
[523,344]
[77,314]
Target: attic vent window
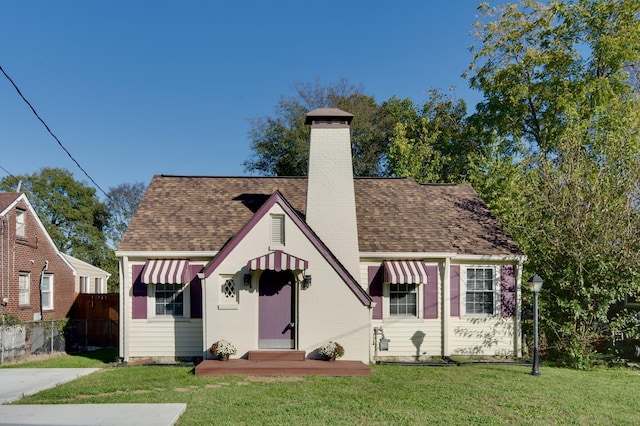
[277,230]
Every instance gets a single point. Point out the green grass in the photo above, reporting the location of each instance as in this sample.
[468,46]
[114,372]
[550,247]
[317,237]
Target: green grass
[95,359]
[481,394]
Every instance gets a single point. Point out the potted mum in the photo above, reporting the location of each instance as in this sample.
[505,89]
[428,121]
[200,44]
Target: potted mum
[331,351]
[222,349]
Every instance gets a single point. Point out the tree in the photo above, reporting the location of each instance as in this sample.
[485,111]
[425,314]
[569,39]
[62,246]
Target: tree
[431,144]
[122,202]
[70,212]
[560,102]
[280,143]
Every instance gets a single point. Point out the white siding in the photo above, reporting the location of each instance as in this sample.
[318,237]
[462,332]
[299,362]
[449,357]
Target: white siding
[165,338]
[488,336]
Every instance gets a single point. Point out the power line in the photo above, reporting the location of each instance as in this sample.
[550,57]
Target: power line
[51,133]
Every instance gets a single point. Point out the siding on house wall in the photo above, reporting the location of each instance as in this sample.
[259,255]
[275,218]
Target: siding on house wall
[421,338]
[165,338]
[486,336]
[162,337]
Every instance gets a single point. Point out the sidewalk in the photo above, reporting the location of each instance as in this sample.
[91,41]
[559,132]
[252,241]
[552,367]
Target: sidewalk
[17,382]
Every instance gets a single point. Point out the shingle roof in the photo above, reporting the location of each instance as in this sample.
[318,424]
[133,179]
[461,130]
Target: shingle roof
[6,198]
[191,213]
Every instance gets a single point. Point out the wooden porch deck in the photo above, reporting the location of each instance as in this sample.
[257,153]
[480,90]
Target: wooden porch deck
[277,363]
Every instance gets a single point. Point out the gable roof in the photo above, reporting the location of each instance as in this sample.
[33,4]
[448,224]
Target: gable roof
[199,213]
[277,198]
[8,200]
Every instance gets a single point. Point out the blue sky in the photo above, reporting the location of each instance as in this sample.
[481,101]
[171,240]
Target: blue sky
[137,88]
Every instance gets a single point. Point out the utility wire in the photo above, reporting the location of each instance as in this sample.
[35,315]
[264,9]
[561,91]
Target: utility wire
[50,132]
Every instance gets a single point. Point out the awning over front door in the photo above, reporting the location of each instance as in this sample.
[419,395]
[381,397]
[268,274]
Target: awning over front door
[404,272]
[277,261]
[165,271]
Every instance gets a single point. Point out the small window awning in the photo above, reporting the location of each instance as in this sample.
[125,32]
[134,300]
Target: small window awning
[277,261]
[165,271]
[404,272]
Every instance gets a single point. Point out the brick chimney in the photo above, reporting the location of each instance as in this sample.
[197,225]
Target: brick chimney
[331,204]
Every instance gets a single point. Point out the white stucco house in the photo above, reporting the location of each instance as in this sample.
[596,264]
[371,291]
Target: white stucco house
[389,268]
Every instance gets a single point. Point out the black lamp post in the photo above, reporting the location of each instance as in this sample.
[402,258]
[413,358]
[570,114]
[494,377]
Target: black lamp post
[535,283]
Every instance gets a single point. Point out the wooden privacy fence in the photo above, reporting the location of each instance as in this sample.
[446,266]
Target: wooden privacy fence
[94,321]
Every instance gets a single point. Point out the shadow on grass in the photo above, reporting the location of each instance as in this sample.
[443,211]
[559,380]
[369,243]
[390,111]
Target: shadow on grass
[106,356]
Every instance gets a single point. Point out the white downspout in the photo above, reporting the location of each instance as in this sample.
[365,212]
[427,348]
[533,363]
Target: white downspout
[446,305]
[203,302]
[517,333]
[123,325]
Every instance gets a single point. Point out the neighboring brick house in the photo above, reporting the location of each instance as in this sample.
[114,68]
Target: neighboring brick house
[31,265]
[294,262]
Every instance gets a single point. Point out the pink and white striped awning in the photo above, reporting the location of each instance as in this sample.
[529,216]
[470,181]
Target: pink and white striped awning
[277,261]
[165,271]
[404,272]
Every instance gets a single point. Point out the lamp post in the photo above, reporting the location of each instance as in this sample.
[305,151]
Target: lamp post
[535,284]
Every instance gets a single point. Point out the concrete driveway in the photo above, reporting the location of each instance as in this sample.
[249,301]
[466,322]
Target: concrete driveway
[18,382]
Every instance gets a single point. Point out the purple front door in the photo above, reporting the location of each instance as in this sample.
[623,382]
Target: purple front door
[276,316]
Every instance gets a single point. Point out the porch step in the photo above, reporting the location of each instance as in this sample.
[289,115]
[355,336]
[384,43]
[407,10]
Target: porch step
[284,355]
[308,367]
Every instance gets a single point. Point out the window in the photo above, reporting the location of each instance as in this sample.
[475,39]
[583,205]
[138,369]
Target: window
[229,289]
[20,215]
[98,285]
[24,286]
[403,300]
[277,229]
[84,284]
[47,291]
[169,300]
[480,297]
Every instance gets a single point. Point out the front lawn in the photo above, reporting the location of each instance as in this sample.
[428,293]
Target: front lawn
[486,394]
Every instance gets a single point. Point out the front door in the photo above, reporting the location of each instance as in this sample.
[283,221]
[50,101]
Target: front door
[276,307]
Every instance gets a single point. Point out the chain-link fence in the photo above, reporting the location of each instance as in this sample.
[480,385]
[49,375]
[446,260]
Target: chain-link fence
[31,338]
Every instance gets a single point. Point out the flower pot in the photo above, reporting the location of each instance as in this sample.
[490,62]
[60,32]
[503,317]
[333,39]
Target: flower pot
[223,357]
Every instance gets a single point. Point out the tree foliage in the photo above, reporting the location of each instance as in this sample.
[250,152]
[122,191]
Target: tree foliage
[122,203]
[560,102]
[395,138]
[431,144]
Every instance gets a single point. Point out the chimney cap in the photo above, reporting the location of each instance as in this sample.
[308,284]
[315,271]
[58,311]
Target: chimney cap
[328,114]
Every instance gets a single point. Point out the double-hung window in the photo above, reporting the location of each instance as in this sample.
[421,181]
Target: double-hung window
[20,223]
[169,300]
[24,288]
[480,292]
[47,291]
[403,300]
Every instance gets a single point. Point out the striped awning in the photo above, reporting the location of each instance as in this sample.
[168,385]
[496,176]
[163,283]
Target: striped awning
[165,271]
[404,272]
[277,261]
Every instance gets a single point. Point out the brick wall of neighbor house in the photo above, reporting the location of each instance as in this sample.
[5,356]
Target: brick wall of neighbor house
[29,254]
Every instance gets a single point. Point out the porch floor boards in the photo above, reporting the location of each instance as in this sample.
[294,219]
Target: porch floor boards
[306,367]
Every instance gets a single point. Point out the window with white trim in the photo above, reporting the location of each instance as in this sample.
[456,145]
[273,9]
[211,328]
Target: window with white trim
[98,283]
[480,293]
[229,291]
[47,291]
[20,223]
[169,300]
[277,230]
[403,300]
[24,288]
[84,284]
